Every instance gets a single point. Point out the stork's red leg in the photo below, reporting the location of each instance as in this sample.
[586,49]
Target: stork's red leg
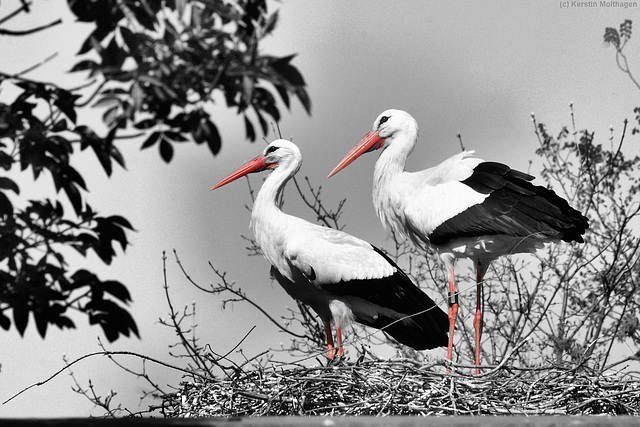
[477,320]
[339,338]
[453,312]
[327,330]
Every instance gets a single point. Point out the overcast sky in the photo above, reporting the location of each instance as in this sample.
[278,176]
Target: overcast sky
[476,67]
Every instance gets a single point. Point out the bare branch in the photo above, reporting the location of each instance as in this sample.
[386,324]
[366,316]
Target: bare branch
[6,32]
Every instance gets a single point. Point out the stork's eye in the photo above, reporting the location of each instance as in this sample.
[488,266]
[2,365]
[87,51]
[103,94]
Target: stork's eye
[271,150]
[383,119]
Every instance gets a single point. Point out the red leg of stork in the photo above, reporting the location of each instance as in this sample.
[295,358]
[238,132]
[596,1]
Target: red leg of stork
[453,313]
[327,330]
[477,320]
[339,338]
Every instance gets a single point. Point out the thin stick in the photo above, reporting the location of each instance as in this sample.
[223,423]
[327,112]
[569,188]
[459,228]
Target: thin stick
[107,353]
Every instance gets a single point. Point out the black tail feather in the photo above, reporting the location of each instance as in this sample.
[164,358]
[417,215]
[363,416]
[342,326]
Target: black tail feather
[422,324]
[515,207]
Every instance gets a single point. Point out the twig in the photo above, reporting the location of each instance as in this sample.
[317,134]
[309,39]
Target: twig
[33,67]
[226,287]
[24,7]
[106,353]
[461,144]
[194,354]
[6,32]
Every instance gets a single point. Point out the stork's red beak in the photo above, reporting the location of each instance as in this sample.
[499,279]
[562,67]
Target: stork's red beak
[256,164]
[370,142]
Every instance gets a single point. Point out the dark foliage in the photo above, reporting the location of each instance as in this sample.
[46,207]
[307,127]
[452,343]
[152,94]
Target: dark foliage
[619,39]
[154,70]
[613,36]
[179,54]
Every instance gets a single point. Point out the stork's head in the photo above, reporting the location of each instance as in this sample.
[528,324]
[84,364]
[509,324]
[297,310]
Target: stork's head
[280,153]
[386,126]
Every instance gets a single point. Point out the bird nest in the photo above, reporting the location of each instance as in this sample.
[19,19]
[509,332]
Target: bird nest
[404,387]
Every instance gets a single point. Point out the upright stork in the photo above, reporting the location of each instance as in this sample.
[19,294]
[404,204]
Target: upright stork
[339,276]
[463,208]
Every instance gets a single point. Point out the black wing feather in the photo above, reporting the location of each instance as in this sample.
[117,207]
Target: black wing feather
[514,207]
[426,330]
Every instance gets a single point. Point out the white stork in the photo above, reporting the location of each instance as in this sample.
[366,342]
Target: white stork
[463,208]
[339,276]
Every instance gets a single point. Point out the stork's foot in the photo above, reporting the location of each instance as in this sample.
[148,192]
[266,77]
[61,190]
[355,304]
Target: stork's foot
[332,353]
[337,351]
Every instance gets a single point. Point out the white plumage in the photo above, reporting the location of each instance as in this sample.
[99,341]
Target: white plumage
[339,276]
[463,208]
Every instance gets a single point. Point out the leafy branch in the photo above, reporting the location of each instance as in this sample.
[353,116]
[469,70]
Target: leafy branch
[619,39]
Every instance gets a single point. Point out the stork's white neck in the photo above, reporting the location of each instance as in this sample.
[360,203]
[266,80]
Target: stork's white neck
[393,158]
[388,191]
[398,148]
[265,207]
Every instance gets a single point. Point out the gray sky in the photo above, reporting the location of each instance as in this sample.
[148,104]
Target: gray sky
[476,67]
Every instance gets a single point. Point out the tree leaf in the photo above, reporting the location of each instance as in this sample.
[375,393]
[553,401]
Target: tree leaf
[247,89]
[6,207]
[137,95]
[213,136]
[175,136]
[117,289]
[166,150]
[271,23]
[263,122]
[20,317]
[82,278]
[156,82]
[151,139]
[304,99]
[109,229]
[42,321]
[66,102]
[284,95]
[113,319]
[115,91]
[113,56]
[104,150]
[72,175]
[107,101]
[5,322]
[60,125]
[145,124]
[625,29]
[251,133]
[9,184]
[5,161]
[87,137]
[611,36]
[121,221]
[288,71]
[207,131]
[87,64]
[143,16]
[137,43]
[74,196]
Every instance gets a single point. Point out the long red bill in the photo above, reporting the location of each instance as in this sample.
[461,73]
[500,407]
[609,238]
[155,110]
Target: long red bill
[257,164]
[370,142]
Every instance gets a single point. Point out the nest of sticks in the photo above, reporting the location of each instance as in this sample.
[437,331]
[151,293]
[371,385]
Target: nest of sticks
[405,387]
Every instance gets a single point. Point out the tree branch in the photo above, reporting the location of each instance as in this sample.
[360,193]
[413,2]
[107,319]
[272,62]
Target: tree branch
[6,32]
